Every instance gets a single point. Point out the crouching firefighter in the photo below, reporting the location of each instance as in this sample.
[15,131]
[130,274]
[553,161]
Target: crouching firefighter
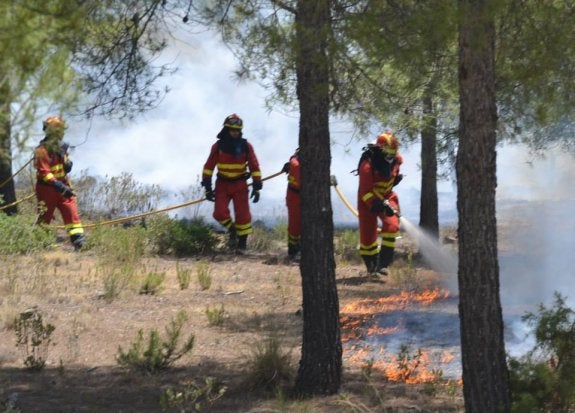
[236,161]
[53,187]
[378,172]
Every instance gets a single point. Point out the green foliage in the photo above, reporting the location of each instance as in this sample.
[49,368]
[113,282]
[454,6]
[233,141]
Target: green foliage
[21,236]
[269,365]
[184,276]
[543,380]
[263,239]
[159,353]
[116,279]
[216,315]
[181,237]
[33,337]
[204,276]
[116,244]
[346,245]
[192,397]
[152,283]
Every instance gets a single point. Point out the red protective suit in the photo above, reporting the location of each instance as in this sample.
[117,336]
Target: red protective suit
[51,165]
[376,182]
[293,206]
[233,157]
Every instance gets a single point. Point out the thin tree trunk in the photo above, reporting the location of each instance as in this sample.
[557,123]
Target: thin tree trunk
[321,359]
[485,374]
[428,211]
[7,190]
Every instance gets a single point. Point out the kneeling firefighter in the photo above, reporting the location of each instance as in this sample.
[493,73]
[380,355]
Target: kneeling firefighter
[378,172]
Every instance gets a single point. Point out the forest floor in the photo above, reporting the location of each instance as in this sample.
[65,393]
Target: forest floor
[258,296]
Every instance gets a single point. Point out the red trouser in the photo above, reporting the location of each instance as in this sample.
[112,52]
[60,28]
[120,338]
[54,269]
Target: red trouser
[236,192]
[294,217]
[49,199]
[368,227]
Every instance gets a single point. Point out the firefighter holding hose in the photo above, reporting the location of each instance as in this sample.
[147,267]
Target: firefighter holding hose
[378,172]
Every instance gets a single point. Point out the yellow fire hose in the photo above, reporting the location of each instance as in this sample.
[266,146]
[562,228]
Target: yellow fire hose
[144,214]
[342,196]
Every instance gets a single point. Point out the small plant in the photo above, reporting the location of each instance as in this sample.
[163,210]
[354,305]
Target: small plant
[407,363]
[160,353]
[270,367]
[346,246]
[204,276]
[182,238]
[192,397]
[543,380]
[405,276]
[184,275]
[152,283]
[33,338]
[216,316]
[116,280]
[20,235]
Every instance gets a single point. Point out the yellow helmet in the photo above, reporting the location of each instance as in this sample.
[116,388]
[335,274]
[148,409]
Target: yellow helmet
[234,122]
[53,125]
[388,143]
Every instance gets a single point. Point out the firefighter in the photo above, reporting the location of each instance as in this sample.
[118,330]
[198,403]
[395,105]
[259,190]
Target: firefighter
[293,205]
[53,187]
[378,172]
[233,156]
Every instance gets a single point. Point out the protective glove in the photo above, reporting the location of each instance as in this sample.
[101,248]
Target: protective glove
[68,166]
[210,196]
[389,211]
[64,189]
[255,196]
[377,206]
[397,179]
[257,185]
[285,168]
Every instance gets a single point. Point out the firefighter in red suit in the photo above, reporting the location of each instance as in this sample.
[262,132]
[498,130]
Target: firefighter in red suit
[378,173]
[53,188]
[293,205]
[236,161]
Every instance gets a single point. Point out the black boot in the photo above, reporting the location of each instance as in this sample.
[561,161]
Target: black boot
[293,251]
[77,241]
[242,244]
[385,260]
[370,263]
[233,238]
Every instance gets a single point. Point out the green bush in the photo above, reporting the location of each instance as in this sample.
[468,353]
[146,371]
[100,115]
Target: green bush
[33,337]
[160,353]
[20,235]
[270,367]
[181,238]
[543,379]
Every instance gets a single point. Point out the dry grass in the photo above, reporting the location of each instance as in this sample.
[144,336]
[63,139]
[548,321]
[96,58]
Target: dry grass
[260,293]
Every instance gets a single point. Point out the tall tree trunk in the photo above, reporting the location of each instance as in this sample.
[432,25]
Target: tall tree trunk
[485,374]
[428,211]
[321,359]
[7,191]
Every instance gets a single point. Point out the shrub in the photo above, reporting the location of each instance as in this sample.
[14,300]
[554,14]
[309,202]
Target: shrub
[20,235]
[182,238]
[192,397]
[543,380]
[346,245]
[152,283]
[33,337]
[184,276]
[160,353]
[215,315]
[204,276]
[270,367]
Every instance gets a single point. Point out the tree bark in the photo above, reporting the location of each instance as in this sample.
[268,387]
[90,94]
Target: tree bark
[485,374]
[321,359]
[7,190]
[428,211]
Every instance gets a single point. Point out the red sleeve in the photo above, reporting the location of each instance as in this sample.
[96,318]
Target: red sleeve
[210,164]
[42,164]
[253,164]
[365,192]
[294,174]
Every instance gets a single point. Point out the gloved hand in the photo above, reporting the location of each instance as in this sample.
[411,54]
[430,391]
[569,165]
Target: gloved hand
[68,166]
[210,196]
[64,189]
[397,179]
[255,196]
[377,206]
[389,211]
[257,185]
[285,168]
